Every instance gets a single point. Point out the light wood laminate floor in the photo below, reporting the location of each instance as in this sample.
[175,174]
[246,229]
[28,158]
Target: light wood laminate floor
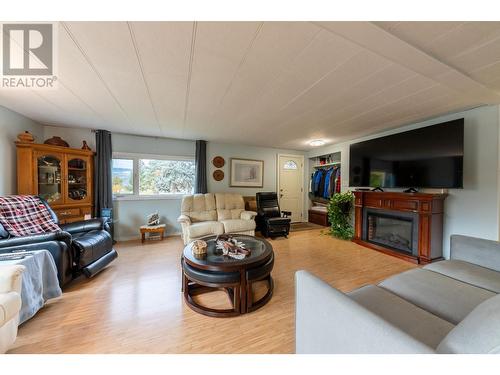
[135,305]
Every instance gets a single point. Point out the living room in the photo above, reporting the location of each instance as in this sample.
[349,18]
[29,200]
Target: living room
[250,186]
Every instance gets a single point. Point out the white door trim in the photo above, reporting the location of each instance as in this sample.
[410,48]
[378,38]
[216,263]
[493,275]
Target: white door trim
[302,157]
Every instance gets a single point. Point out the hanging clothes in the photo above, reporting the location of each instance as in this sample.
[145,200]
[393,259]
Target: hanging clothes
[337,181]
[317,177]
[321,190]
[325,182]
[328,183]
[331,185]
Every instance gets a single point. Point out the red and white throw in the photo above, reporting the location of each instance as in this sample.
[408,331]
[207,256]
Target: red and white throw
[25,215]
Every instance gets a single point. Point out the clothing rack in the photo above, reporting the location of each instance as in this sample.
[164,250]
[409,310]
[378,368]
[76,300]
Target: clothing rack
[327,165]
[325,181]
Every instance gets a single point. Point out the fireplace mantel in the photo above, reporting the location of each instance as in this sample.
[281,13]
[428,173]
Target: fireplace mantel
[429,210]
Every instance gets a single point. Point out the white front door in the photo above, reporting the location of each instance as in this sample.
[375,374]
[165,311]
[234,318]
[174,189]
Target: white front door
[290,185]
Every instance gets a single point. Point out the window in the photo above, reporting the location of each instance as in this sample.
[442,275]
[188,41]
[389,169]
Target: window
[165,176]
[151,176]
[290,164]
[123,176]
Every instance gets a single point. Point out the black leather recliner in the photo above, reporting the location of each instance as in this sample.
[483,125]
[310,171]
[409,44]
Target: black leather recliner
[58,244]
[91,244]
[83,246]
[271,221]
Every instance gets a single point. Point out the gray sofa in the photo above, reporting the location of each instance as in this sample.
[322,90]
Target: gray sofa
[450,306]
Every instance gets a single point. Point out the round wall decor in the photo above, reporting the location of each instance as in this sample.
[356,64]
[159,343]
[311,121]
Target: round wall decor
[218,175]
[218,162]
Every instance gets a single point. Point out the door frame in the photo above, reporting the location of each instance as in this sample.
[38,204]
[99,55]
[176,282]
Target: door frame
[302,157]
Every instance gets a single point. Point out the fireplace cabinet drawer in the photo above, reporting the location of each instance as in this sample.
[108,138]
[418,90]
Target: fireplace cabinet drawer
[407,205]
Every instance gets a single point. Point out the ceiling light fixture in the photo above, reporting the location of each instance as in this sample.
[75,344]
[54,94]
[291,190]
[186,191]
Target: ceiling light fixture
[317,143]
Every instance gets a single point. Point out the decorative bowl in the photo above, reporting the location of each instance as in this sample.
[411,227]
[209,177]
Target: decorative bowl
[56,141]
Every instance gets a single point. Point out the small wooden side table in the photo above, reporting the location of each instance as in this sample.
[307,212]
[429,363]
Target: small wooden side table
[152,229]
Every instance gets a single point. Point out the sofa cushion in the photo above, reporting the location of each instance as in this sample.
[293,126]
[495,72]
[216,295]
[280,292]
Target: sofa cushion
[238,225]
[229,206]
[416,322]
[229,214]
[478,333]
[485,253]
[199,207]
[441,295]
[10,304]
[469,273]
[205,228]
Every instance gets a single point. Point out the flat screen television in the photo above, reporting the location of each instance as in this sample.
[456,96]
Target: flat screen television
[429,157]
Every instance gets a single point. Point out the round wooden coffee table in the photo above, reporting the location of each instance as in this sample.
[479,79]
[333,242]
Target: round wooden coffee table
[215,271]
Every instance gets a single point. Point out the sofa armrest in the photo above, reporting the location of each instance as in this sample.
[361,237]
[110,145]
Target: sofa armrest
[10,278]
[184,219]
[36,239]
[248,215]
[329,322]
[484,253]
[10,305]
[83,226]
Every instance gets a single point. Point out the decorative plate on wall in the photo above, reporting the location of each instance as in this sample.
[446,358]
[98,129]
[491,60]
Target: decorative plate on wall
[218,175]
[218,162]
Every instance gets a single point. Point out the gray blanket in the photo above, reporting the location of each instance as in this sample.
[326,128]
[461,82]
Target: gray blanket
[39,282]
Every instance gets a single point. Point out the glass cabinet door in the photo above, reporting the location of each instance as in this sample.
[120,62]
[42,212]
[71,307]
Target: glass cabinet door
[49,169]
[78,179]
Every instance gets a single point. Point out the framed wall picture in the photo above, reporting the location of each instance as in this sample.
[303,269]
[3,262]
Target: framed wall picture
[246,173]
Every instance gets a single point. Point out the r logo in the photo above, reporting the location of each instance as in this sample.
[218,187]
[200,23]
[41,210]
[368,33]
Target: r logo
[28,49]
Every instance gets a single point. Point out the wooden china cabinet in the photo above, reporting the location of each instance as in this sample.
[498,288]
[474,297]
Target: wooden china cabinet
[61,175]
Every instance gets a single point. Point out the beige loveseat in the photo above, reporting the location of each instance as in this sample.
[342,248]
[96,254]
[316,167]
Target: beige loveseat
[212,214]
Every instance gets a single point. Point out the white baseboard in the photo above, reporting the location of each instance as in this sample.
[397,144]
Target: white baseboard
[138,237]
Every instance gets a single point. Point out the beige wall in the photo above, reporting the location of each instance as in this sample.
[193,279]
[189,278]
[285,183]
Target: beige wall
[132,213]
[11,124]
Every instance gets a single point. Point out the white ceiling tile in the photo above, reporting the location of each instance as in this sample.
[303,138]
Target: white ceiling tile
[420,34]
[466,37]
[164,49]
[479,57]
[109,47]
[270,84]
[220,49]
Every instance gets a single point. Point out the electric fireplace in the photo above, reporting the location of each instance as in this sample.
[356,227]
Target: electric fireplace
[395,230]
[406,225]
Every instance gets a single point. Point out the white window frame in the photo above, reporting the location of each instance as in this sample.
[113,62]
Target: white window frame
[135,158]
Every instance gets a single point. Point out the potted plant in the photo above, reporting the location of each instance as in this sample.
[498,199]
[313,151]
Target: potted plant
[339,214]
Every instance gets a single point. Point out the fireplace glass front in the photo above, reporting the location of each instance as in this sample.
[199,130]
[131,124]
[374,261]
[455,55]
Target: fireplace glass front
[391,231]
